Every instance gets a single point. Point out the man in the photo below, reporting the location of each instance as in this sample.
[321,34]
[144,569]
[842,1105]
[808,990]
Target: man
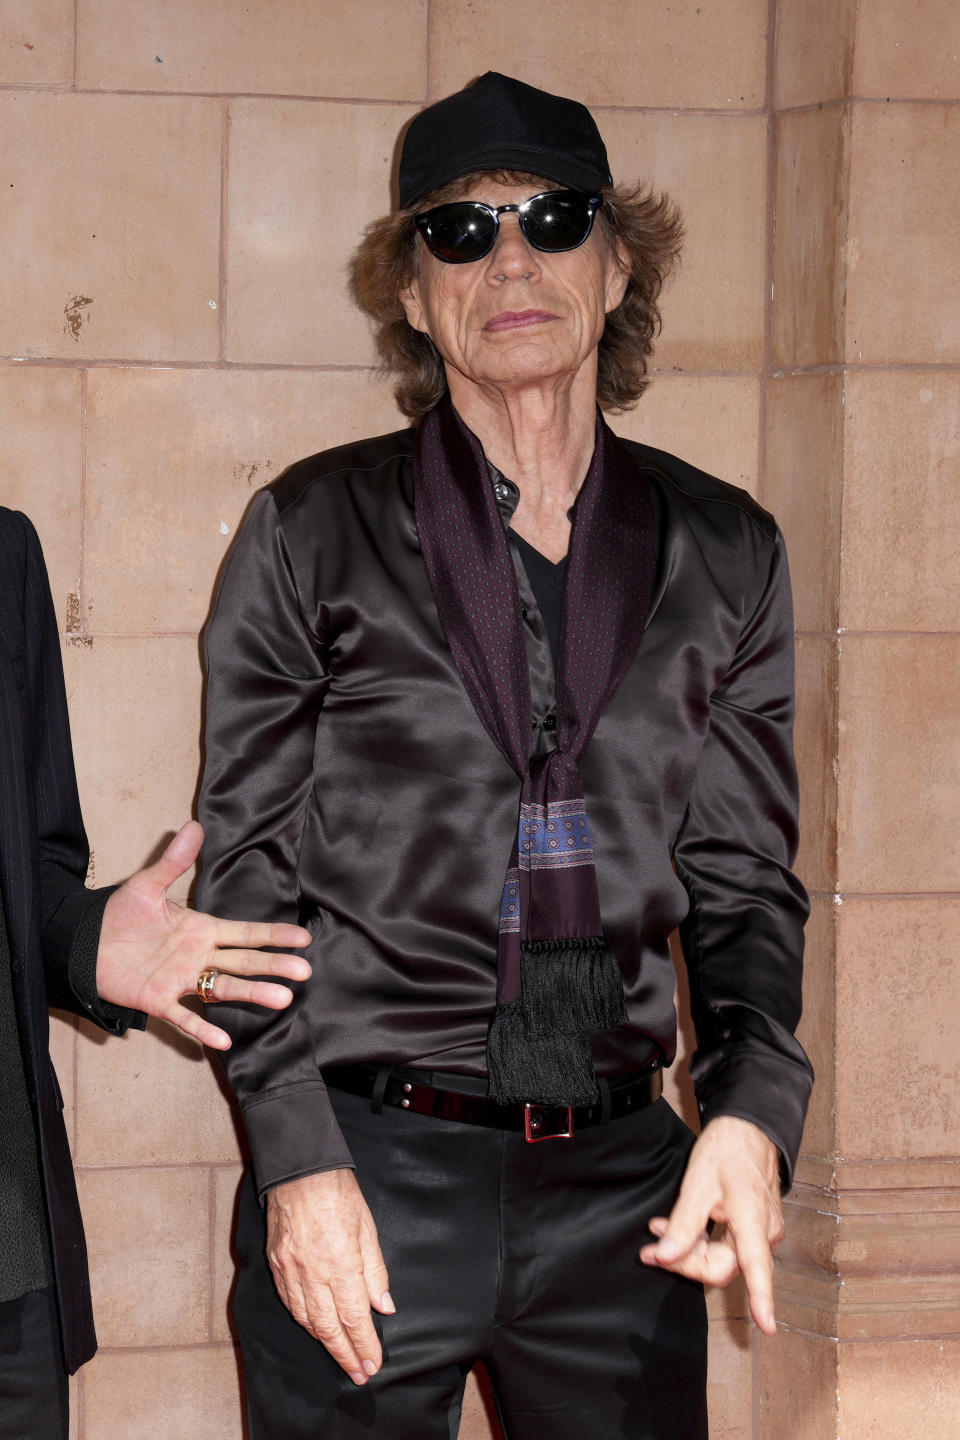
[111,955]
[495,704]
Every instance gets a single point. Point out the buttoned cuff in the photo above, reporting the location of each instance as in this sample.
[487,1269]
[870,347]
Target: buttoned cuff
[770,1092]
[293,1132]
[82,971]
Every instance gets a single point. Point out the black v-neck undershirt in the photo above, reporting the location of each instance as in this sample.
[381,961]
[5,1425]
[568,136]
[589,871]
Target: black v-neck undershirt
[546,582]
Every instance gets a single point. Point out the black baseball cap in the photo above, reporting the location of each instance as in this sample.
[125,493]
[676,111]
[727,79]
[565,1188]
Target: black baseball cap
[502,124]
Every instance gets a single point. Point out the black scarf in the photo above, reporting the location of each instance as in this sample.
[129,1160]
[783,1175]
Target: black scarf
[557,978]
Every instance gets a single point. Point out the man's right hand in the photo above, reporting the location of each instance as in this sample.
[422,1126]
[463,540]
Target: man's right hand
[323,1250]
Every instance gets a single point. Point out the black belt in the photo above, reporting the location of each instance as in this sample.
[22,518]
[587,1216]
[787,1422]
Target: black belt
[618,1095]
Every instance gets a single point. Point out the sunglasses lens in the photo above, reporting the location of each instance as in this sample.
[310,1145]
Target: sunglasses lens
[559,220]
[459,232]
[464,230]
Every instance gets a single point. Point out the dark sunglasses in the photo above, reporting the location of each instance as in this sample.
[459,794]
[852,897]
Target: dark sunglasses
[465,230]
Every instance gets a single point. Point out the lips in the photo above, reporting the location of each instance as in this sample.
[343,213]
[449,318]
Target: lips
[517,319]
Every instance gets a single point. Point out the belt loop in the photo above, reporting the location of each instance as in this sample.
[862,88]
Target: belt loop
[379,1090]
[604,1087]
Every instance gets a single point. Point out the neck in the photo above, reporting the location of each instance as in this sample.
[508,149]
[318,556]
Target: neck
[540,437]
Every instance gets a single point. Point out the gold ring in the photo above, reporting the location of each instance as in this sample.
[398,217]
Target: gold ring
[205,985]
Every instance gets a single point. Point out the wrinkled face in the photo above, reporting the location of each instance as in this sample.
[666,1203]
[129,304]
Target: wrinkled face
[519,316]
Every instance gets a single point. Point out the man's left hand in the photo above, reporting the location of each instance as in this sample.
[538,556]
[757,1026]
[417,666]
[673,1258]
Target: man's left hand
[152,950]
[732,1178]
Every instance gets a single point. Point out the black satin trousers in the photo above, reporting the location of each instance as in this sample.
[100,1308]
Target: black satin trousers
[521,1256]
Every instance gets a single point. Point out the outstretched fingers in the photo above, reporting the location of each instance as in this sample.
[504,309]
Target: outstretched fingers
[233,966]
[255,935]
[196,1027]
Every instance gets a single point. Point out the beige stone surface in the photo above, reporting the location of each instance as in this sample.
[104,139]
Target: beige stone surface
[817,1030]
[164,1394]
[814,49]
[714,168]
[809,272]
[727,1305]
[908,50]
[74,1393]
[135,714]
[677,1085]
[729,1379]
[226,1185]
[908,1244]
[811,1218]
[41,468]
[901,501]
[478,1420]
[377,49]
[708,420]
[803,484]
[689,54]
[815,741]
[892,1173]
[150,1099]
[898,1014]
[290,233]
[161,516]
[899,764]
[149,1249]
[110,226]
[807,1304]
[36,42]
[903,241]
[899,1391]
[795,1383]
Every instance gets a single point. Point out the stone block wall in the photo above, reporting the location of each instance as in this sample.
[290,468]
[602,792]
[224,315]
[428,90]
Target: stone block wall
[180,187]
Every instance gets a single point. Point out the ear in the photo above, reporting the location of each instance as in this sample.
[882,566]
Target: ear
[618,276]
[413,306]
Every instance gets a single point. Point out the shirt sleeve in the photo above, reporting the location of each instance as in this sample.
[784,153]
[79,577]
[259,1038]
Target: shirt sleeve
[266,683]
[70,914]
[743,935]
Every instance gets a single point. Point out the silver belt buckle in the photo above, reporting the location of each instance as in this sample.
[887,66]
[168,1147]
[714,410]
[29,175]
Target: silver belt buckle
[536,1123]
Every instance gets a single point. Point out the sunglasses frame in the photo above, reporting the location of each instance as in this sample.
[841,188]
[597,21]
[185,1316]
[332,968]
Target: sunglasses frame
[423,221]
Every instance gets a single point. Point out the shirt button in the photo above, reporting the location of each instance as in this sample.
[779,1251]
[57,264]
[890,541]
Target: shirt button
[501,492]
[550,722]
[523,611]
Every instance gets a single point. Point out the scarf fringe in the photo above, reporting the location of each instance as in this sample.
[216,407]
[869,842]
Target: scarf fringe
[547,1069]
[570,985]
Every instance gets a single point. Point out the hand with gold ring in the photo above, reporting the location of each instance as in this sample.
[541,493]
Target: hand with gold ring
[153,952]
[205,985]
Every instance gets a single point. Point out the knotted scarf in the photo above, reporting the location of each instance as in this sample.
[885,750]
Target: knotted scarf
[557,978]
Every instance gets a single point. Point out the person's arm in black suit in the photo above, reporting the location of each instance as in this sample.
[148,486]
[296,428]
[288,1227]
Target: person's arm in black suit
[68,912]
[116,955]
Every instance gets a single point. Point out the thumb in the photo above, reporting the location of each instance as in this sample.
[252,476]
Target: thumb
[176,859]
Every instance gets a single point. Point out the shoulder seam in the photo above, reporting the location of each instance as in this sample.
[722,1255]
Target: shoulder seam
[325,472]
[744,503]
[763,520]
